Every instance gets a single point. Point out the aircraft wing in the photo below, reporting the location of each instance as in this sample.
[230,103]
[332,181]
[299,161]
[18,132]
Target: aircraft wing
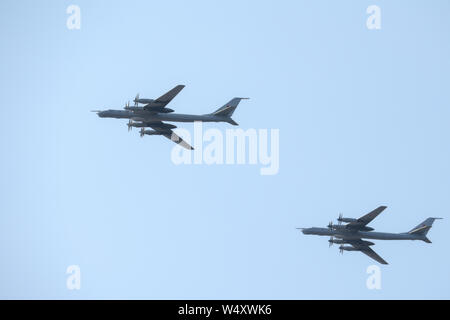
[367,251]
[167,97]
[169,134]
[364,220]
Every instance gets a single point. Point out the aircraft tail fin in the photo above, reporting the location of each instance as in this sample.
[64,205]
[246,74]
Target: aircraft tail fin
[423,228]
[227,109]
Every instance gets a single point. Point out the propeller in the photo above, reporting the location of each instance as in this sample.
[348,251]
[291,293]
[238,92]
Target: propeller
[142,132]
[330,225]
[340,218]
[341,250]
[136,100]
[330,242]
[130,125]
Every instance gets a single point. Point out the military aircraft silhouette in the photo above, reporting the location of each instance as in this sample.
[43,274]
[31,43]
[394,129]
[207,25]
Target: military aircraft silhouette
[350,235]
[154,112]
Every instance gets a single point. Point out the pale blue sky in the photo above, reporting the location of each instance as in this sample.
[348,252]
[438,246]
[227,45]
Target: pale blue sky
[363,118]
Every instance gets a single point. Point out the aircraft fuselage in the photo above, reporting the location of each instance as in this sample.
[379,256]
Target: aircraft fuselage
[354,234]
[151,116]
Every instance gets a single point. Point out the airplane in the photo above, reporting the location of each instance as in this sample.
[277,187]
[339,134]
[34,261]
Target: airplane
[154,112]
[350,235]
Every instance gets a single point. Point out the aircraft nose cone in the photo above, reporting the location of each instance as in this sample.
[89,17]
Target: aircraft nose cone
[305,230]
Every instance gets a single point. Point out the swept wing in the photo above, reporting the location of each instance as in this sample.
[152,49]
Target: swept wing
[164,100]
[167,132]
[364,248]
[366,219]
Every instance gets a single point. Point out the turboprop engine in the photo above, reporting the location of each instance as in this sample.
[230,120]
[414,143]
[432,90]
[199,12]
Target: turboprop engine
[348,248]
[346,220]
[151,105]
[141,100]
[150,132]
[162,125]
[132,124]
[343,241]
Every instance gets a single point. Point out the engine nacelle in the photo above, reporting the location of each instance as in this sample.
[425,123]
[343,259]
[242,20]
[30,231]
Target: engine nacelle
[133,108]
[341,241]
[346,220]
[358,227]
[137,125]
[144,101]
[165,126]
[159,109]
[337,241]
[151,132]
[348,248]
[337,227]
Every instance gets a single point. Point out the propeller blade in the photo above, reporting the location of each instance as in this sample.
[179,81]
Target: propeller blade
[142,132]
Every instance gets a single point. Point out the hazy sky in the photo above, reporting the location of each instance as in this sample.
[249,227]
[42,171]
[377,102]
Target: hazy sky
[363,118]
